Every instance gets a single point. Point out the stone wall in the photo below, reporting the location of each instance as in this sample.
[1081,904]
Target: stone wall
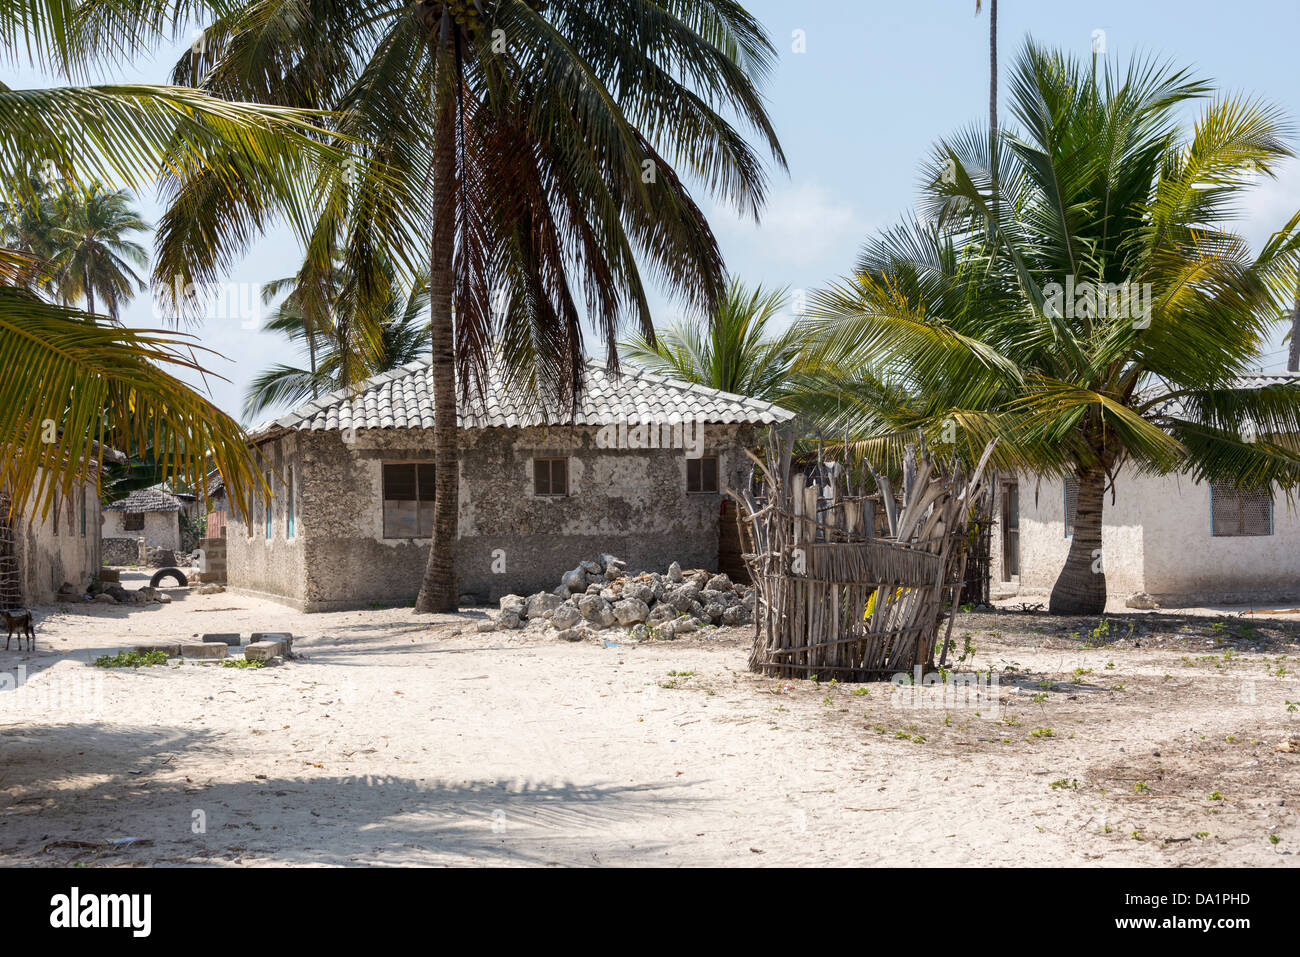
[120,551]
[629,502]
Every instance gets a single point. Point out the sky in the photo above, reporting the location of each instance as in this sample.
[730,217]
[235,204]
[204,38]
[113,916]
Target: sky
[862,91]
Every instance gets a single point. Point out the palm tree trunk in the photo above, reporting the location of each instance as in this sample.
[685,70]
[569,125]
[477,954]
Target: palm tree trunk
[438,592]
[90,291]
[1080,589]
[993,102]
[311,353]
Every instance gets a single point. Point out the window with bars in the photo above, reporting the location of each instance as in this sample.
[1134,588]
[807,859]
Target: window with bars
[1238,512]
[1071,505]
[133,521]
[290,519]
[409,489]
[702,474]
[551,476]
[270,502]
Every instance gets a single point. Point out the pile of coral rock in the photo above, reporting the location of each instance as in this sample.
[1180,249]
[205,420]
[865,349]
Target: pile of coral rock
[600,595]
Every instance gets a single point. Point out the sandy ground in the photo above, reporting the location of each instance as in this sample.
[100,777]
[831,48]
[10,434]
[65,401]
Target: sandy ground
[394,741]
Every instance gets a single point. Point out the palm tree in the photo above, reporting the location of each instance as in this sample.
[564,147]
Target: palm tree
[89,253]
[72,382]
[993,97]
[1103,186]
[730,350]
[403,338]
[536,152]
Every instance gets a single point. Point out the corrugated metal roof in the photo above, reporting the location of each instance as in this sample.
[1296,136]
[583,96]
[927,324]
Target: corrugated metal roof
[403,399]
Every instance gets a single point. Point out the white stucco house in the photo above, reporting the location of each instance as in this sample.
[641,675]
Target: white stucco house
[151,513]
[1182,541]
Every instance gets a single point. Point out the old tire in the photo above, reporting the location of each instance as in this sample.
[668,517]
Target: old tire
[175,573]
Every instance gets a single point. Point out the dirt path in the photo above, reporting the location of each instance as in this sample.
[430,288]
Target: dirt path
[395,741]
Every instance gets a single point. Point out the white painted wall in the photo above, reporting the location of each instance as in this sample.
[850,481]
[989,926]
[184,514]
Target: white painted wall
[1156,538]
[161,529]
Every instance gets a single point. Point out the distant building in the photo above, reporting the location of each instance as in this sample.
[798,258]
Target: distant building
[149,513]
[636,471]
[1183,542]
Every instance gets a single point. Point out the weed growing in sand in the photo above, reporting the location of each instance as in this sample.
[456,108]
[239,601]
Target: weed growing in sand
[1064,783]
[1274,839]
[967,646]
[131,659]
[1215,796]
[1293,705]
[242,663]
[1141,788]
[1042,733]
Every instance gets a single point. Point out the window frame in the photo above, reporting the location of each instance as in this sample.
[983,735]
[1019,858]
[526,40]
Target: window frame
[128,517]
[1241,521]
[717,469]
[268,522]
[418,464]
[290,513]
[551,461]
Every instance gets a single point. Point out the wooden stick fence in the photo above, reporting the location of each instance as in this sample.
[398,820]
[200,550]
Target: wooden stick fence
[854,585]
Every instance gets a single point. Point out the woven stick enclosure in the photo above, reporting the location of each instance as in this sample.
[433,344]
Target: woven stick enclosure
[854,584]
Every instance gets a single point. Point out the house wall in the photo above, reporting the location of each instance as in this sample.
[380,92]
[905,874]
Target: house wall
[161,529]
[1156,538]
[632,503]
[276,567]
[1044,547]
[1184,562]
[47,559]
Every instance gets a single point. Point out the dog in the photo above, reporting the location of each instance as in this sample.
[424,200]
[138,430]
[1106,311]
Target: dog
[20,619]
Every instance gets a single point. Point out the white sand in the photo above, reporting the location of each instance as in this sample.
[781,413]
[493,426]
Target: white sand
[392,742]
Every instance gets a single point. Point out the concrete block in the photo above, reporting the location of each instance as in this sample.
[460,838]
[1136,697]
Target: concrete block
[171,648]
[208,650]
[110,575]
[263,650]
[227,638]
[283,637]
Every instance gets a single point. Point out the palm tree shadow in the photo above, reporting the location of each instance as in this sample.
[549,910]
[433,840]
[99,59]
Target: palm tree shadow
[67,788]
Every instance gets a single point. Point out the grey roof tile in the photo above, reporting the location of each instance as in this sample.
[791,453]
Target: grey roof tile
[147,500]
[403,398]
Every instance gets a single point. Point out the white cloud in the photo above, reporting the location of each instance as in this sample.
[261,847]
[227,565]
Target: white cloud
[1268,206]
[803,226]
